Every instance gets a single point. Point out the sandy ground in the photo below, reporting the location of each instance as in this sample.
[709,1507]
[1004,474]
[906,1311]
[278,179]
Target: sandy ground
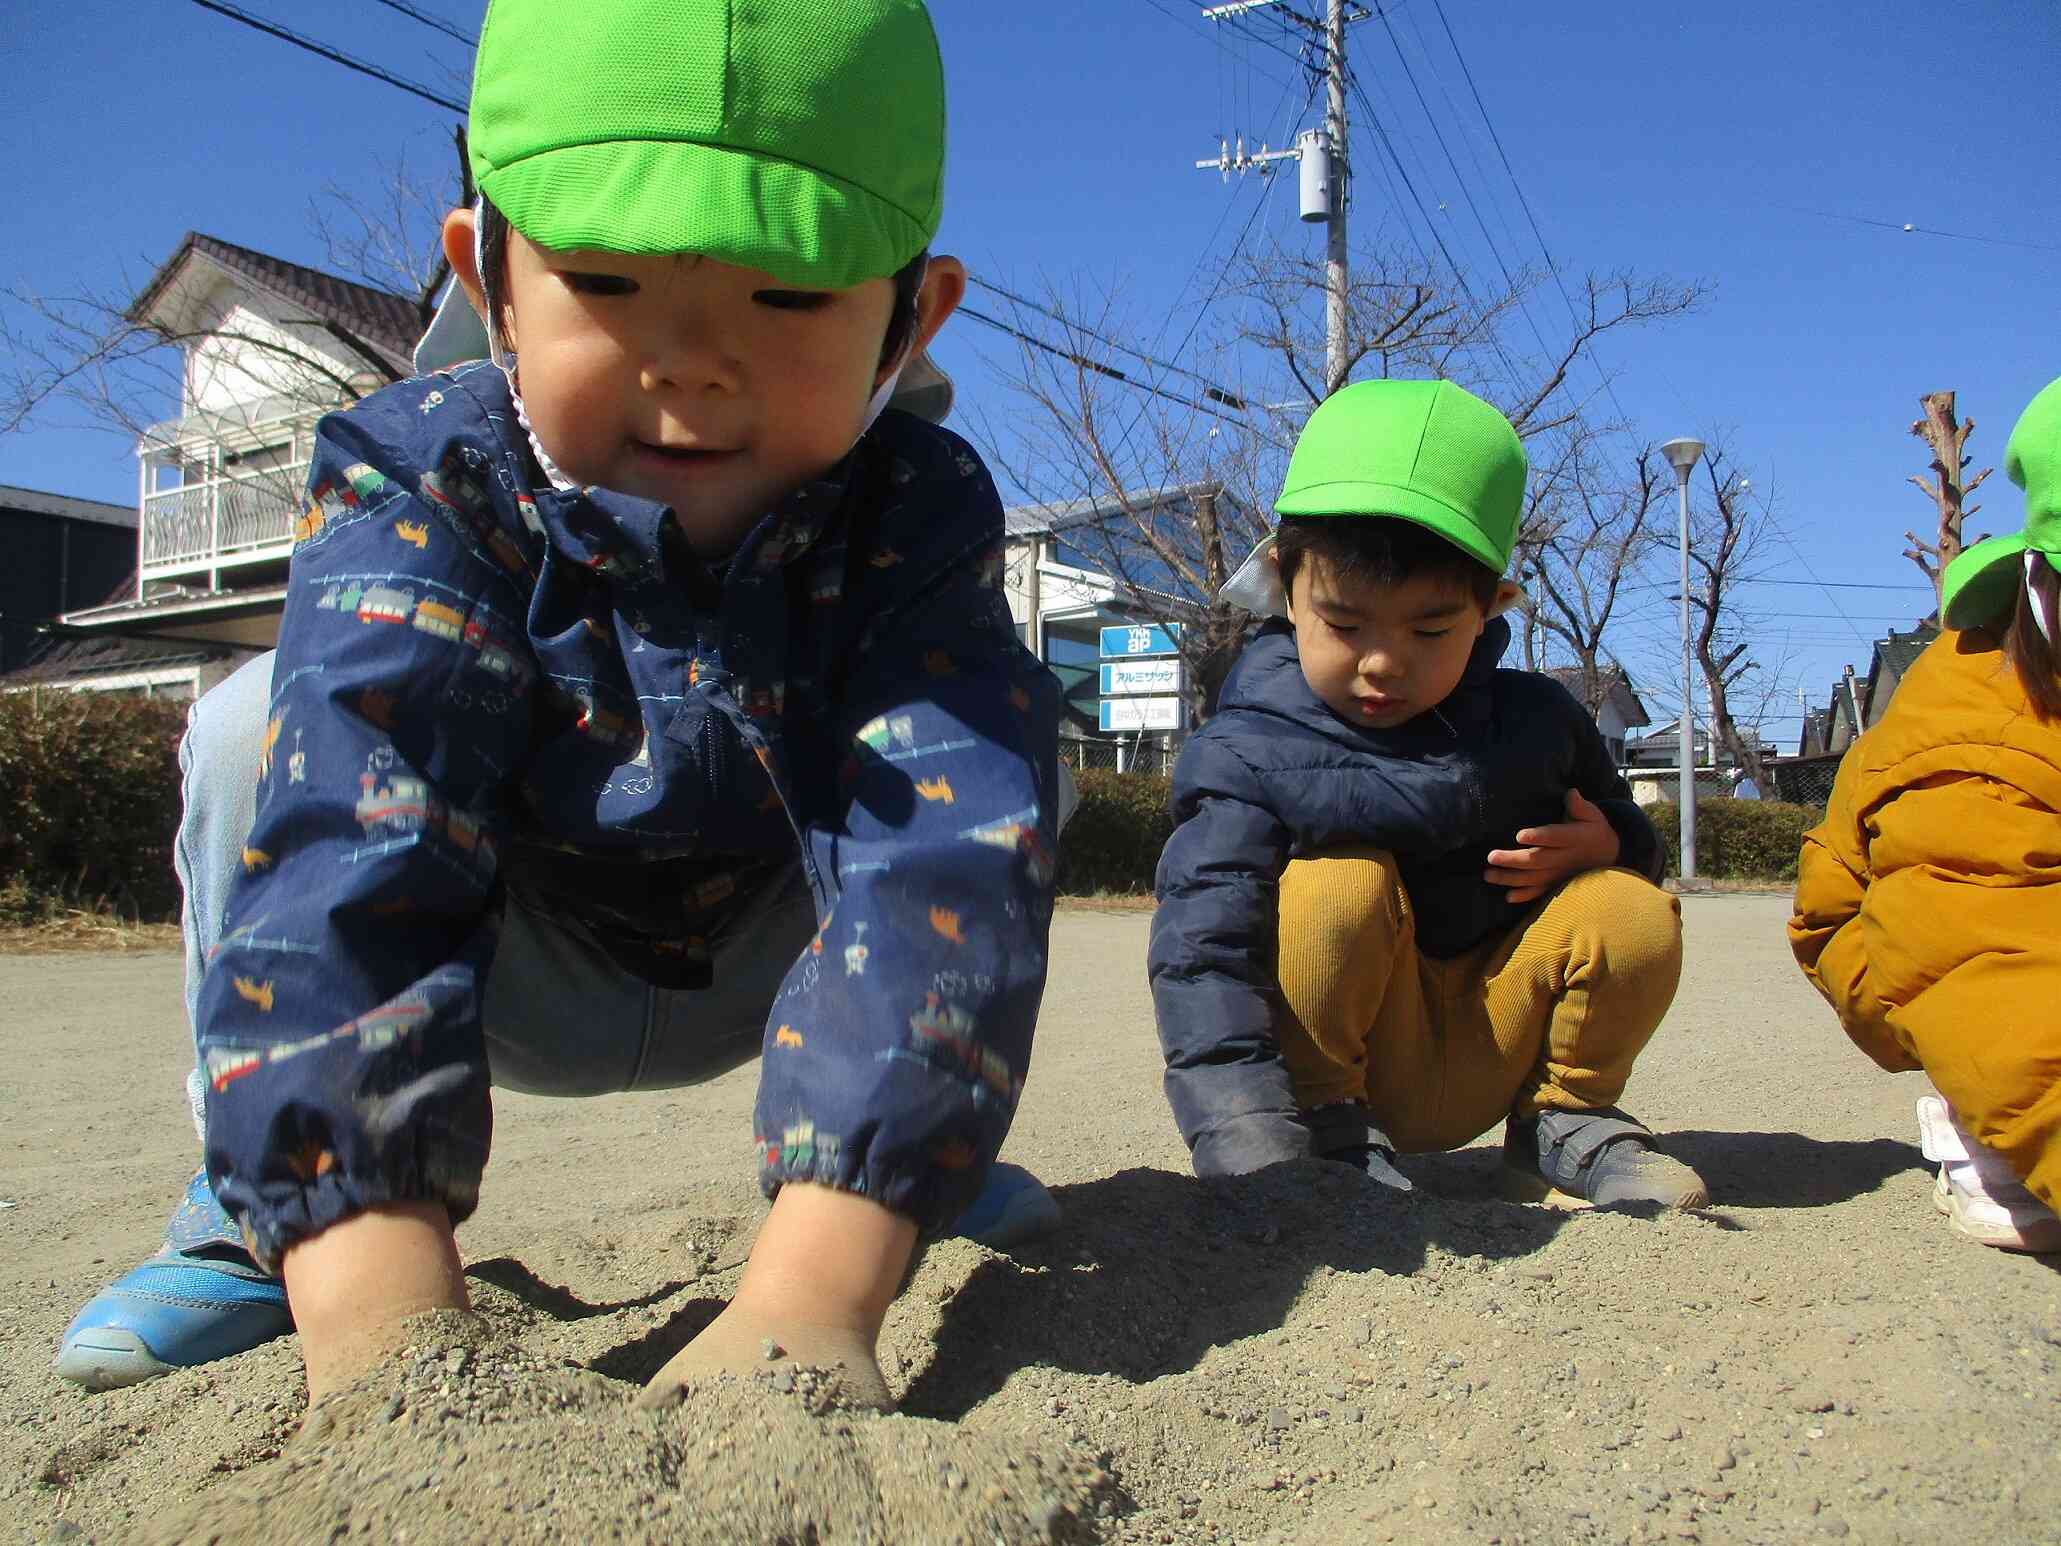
[1289,1357]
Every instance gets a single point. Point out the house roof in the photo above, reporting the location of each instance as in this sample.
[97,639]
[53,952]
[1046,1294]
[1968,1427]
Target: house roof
[1895,652]
[36,502]
[1617,688]
[368,319]
[1040,520]
[72,660]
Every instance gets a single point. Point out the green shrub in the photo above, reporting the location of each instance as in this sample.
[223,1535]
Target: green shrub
[1739,839]
[1114,839]
[89,802]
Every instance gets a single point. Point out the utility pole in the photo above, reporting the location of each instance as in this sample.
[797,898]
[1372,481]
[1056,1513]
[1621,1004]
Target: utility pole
[1323,158]
[1335,269]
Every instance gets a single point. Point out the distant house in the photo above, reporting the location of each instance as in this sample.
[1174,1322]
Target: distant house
[269,346]
[1857,703]
[1620,712]
[61,553]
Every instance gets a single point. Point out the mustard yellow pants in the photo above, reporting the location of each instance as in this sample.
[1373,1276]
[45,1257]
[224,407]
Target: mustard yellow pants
[1547,1016]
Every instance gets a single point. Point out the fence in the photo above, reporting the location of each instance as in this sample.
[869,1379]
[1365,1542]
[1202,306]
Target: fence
[1117,756]
[1802,780]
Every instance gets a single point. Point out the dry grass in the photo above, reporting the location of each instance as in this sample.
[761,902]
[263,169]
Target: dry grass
[1108,902]
[79,930]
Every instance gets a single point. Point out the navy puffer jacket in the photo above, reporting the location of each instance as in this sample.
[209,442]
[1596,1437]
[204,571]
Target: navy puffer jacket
[1275,776]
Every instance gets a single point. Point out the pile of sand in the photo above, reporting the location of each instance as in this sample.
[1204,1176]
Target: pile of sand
[469,1438]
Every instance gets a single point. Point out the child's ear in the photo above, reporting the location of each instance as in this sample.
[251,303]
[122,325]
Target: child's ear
[1508,594]
[943,288]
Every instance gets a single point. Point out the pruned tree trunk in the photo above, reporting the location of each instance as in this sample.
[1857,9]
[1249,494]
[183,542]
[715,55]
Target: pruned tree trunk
[1947,438]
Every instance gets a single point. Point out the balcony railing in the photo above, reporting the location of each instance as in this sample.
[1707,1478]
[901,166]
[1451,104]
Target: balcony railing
[217,522]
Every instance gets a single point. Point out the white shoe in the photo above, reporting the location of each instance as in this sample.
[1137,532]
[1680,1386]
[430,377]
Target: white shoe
[1978,1191]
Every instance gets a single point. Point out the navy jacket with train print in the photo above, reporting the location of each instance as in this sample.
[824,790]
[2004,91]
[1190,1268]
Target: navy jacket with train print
[485,683]
[1275,775]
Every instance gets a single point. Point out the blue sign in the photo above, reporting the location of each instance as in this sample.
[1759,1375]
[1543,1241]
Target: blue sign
[1140,639]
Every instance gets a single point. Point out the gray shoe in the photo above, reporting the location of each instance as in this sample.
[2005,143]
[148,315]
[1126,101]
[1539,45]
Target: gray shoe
[1593,1159]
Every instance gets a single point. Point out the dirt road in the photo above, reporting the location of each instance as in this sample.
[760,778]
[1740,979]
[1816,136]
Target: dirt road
[1288,1357]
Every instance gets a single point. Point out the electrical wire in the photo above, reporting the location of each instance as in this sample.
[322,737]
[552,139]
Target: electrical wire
[428,20]
[1531,217]
[1459,274]
[1921,230]
[1220,394]
[334,55]
[1097,366]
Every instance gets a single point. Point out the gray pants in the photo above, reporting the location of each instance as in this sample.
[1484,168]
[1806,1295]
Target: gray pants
[561,1018]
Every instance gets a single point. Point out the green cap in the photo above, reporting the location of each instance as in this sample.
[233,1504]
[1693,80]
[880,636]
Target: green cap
[1982,584]
[805,138]
[1423,451]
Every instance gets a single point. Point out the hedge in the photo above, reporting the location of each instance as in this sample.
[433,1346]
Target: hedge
[89,802]
[1114,839]
[1739,839]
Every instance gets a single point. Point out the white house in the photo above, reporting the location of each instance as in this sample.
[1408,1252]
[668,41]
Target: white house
[269,347]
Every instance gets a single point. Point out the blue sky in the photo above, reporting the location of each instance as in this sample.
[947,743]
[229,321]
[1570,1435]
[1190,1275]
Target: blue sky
[1656,139]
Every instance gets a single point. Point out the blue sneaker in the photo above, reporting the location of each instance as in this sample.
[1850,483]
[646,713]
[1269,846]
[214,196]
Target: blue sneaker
[1013,1207]
[200,1298]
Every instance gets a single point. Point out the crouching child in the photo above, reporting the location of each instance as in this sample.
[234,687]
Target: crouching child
[1408,895]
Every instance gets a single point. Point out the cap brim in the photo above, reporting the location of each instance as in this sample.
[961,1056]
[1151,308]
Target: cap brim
[805,227]
[1394,500]
[1982,584]
[455,334]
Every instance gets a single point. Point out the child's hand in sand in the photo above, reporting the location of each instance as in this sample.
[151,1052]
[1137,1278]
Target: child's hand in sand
[352,1287]
[822,1273]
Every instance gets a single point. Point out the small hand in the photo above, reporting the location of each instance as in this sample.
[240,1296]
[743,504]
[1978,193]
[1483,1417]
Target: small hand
[743,1343]
[822,1273]
[1546,856]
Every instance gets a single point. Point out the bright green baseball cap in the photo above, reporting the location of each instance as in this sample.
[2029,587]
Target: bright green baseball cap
[1422,451]
[1982,584]
[805,138]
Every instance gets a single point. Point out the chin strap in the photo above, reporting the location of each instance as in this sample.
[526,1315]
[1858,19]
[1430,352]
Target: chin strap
[2039,590]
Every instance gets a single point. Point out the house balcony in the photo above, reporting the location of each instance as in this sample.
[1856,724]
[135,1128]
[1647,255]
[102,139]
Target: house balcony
[194,530]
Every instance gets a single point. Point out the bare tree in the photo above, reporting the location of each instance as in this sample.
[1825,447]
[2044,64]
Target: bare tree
[1587,531]
[1084,438]
[91,350]
[1726,542]
[1947,489]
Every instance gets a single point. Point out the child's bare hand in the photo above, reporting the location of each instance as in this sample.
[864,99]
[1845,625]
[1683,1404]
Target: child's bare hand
[742,1343]
[822,1273]
[1546,856]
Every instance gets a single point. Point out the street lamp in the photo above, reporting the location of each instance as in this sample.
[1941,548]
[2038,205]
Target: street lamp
[1683,455]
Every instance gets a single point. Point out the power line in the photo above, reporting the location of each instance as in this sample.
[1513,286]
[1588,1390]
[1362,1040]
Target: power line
[1220,394]
[1921,230]
[1509,171]
[1812,584]
[1102,369]
[428,20]
[334,55]
[1188,24]
[1459,274]
[1453,166]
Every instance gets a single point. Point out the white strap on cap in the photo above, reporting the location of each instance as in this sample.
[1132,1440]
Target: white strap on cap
[2035,560]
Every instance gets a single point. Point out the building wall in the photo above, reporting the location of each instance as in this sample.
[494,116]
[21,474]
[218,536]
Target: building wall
[54,565]
[247,357]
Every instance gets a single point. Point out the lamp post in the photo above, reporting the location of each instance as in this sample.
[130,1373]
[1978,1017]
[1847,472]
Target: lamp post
[1683,455]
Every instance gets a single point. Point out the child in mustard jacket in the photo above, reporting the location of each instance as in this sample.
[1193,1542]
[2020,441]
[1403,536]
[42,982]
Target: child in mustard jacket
[1928,903]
